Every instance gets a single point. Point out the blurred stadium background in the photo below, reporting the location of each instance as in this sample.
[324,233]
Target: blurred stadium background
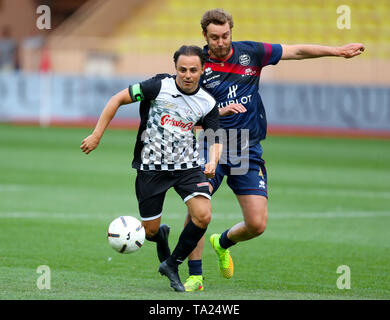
[95,48]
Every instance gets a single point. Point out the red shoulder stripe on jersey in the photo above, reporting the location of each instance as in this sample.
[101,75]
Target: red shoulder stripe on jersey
[267,54]
[234,68]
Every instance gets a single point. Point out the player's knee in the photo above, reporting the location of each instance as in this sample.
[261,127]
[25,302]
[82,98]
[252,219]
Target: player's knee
[202,219]
[200,210]
[150,230]
[257,227]
[206,219]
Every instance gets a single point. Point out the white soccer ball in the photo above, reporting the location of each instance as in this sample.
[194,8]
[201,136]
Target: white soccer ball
[126,234]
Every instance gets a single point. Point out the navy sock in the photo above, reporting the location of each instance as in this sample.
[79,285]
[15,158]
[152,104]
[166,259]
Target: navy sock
[195,267]
[224,241]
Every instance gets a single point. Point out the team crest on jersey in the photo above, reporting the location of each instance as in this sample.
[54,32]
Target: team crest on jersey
[244,59]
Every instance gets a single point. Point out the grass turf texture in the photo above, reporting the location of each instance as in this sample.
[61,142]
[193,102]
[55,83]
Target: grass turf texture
[329,206]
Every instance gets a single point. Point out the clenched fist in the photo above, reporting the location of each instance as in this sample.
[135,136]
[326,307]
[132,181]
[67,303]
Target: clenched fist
[89,143]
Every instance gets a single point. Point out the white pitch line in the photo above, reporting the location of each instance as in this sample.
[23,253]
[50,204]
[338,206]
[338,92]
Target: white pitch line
[352,193]
[12,187]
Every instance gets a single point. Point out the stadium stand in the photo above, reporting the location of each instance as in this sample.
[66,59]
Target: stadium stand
[283,21]
[138,37]
[136,32]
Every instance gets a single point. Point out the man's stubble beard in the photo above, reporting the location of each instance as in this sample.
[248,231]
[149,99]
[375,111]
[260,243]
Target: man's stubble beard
[221,54]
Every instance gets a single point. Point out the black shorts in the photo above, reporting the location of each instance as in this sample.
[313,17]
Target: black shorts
[151,187]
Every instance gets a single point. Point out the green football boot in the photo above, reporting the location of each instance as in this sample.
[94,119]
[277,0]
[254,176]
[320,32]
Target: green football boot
[194,283]
[225,261]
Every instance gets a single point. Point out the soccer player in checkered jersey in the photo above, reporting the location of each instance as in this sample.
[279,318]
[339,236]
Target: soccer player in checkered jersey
[232,73]
[166,152]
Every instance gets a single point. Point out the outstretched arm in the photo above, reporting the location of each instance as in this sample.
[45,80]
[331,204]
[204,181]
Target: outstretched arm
[91,142]
[307,51]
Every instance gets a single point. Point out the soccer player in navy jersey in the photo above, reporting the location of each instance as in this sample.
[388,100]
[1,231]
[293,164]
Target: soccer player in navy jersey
[166,152]
[232,73]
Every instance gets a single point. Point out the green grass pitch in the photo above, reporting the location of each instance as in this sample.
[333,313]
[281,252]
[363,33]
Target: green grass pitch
[329,206]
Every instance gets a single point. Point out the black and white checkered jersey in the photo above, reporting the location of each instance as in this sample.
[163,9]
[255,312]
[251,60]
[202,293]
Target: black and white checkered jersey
[166,139]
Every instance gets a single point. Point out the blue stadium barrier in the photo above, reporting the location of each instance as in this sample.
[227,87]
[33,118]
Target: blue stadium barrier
[31,97]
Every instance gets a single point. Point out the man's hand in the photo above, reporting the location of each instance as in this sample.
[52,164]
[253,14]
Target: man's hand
[351,50]
[209,169]
[233,108]
[89,143]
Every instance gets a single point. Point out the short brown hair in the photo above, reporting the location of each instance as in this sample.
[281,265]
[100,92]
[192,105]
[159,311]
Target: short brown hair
[216,16]
[190,51]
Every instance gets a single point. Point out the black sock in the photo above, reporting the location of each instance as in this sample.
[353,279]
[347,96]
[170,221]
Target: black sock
[188,241]
[157,237]
[224,241]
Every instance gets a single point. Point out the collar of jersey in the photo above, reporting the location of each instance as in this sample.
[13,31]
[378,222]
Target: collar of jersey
[216,60]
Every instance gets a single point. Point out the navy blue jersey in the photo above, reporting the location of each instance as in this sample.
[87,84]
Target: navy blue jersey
[236,80]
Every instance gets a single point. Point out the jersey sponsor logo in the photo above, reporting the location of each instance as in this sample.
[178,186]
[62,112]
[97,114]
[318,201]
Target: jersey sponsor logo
[170,121]
[211,78]
[208,71]
[243,100]
[249,72]
[232,92]
[244,59]
[213,84]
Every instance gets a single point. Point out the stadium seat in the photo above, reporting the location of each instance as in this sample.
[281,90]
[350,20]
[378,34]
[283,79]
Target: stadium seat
[300,21]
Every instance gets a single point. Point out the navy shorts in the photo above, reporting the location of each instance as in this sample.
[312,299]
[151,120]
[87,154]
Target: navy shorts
[151,187]
[253,182]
